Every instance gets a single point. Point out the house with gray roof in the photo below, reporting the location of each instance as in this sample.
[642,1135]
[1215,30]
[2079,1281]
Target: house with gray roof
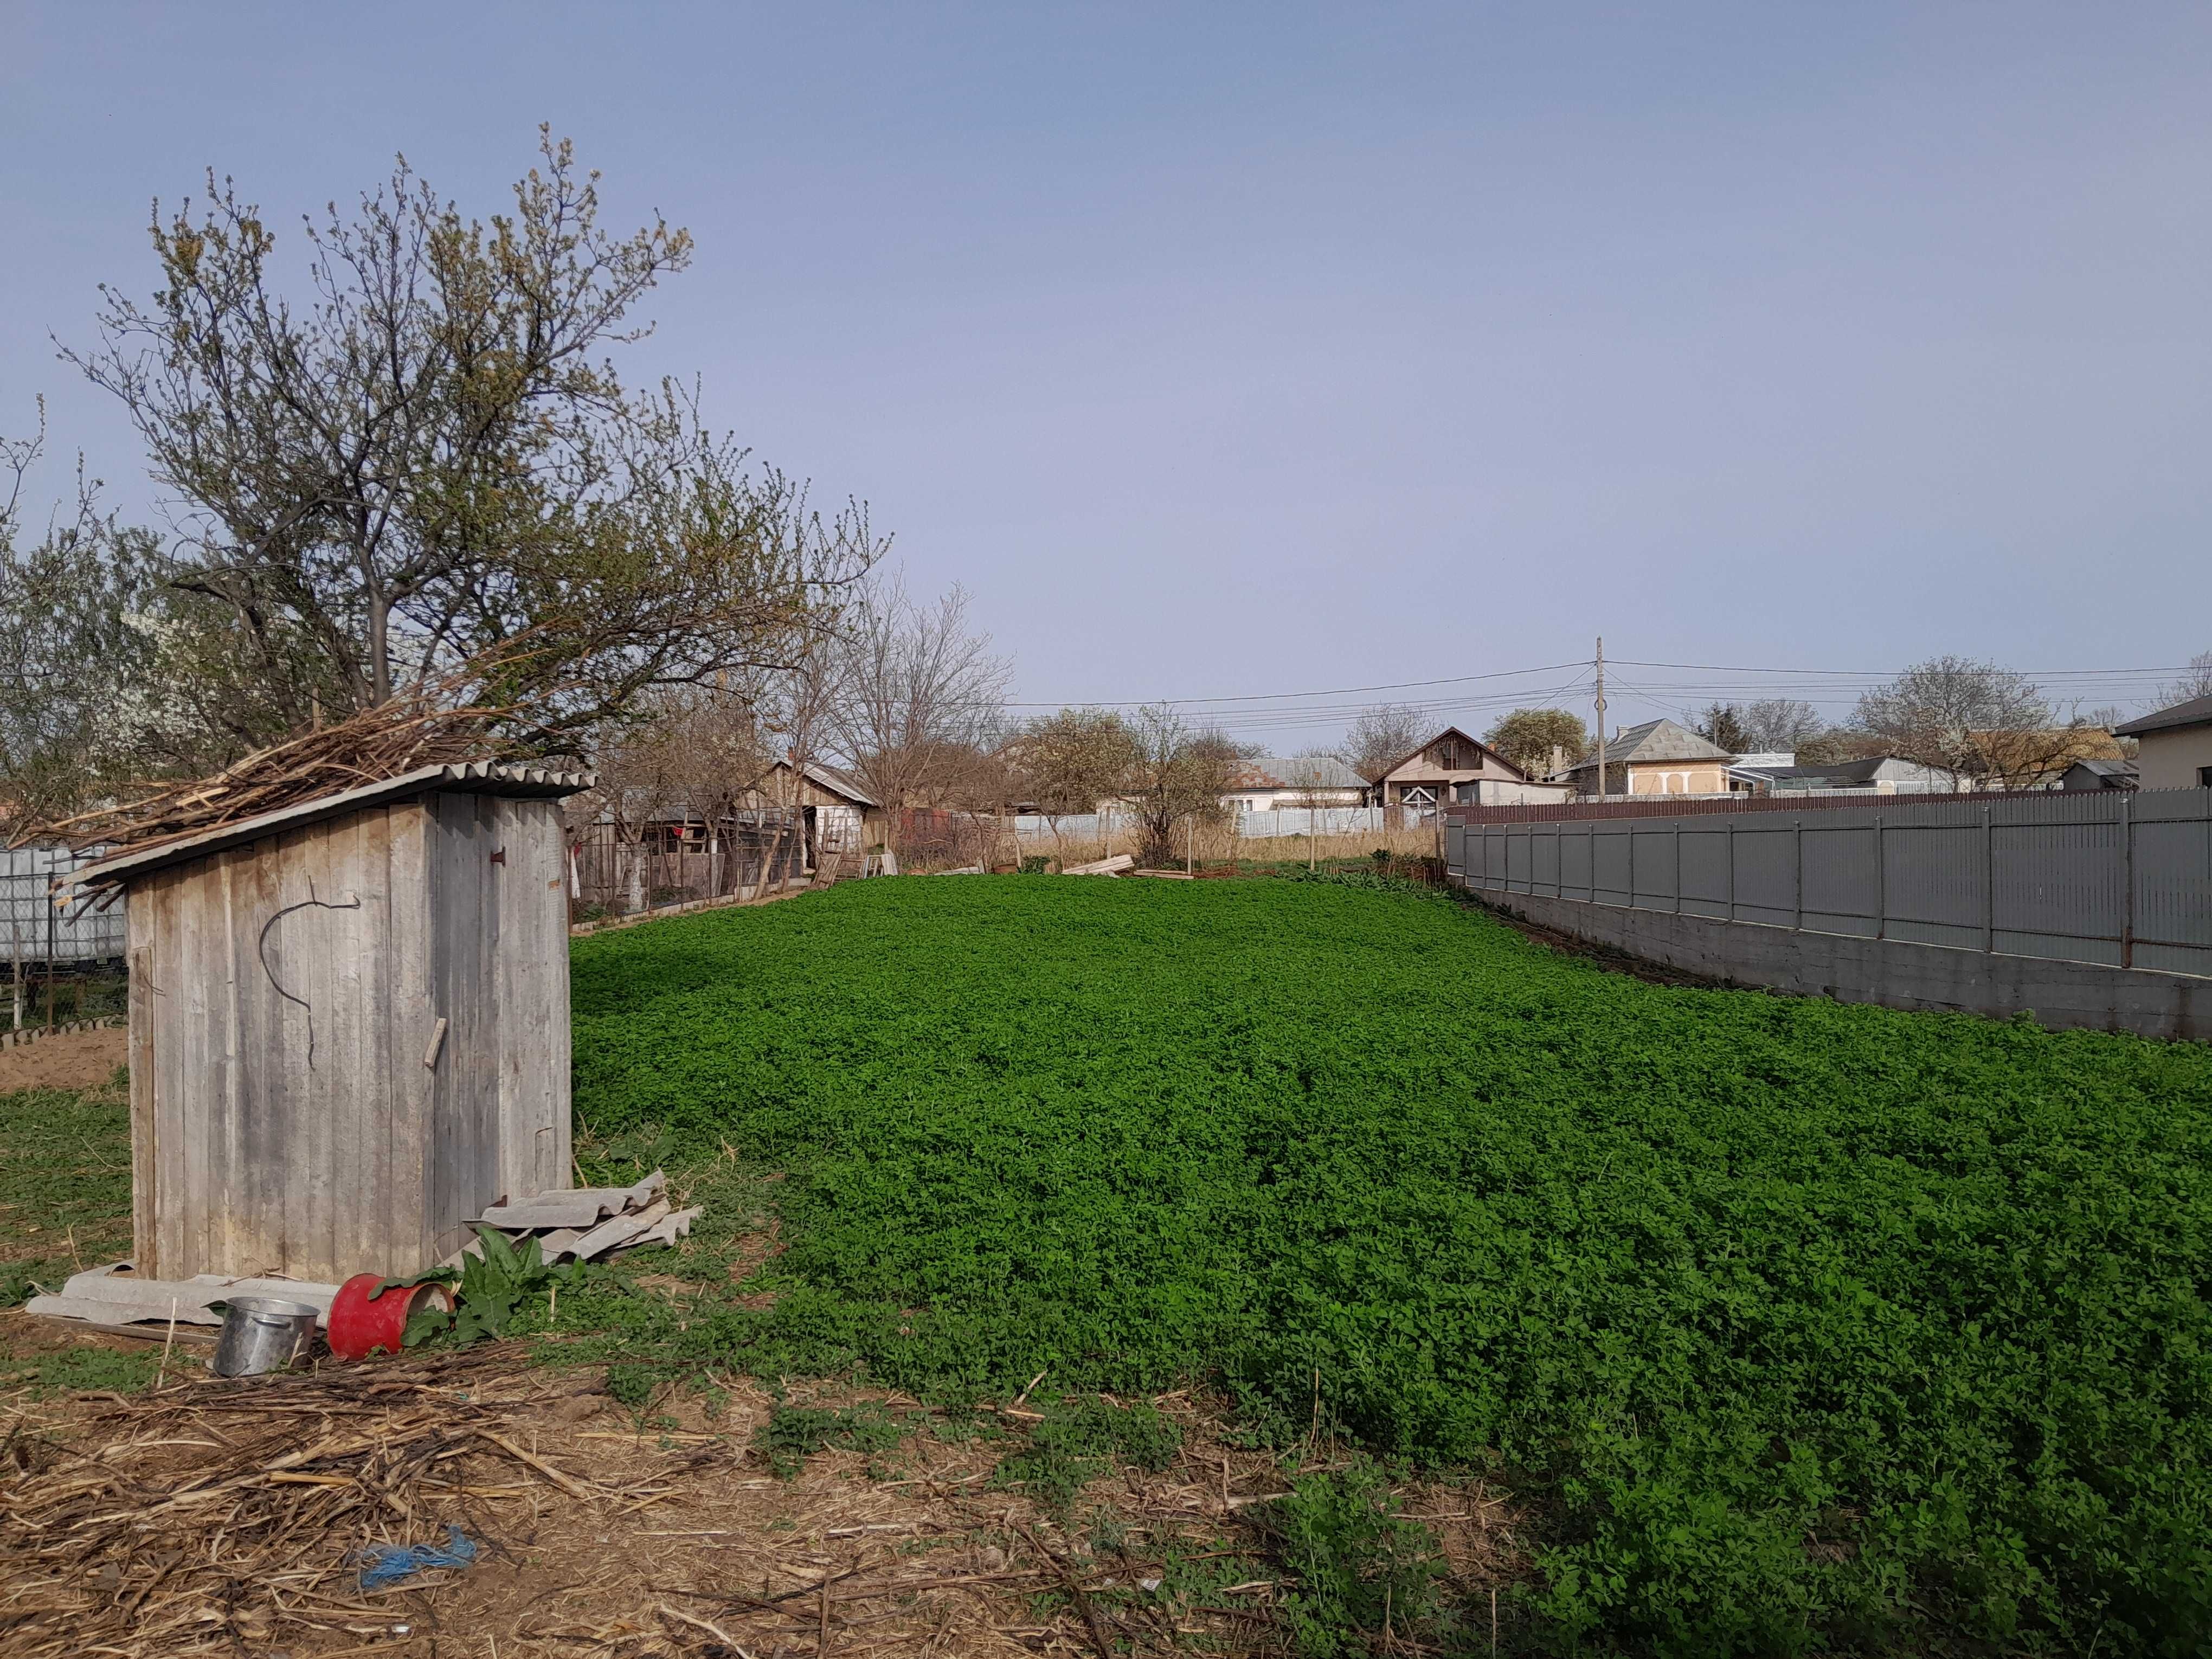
[1659,758]
[2098,774]
[2175,745]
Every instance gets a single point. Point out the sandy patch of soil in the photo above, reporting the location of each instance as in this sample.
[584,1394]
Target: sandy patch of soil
[67,1060]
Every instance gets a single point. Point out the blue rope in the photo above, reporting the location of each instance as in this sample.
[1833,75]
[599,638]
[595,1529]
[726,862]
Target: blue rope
[383,1565]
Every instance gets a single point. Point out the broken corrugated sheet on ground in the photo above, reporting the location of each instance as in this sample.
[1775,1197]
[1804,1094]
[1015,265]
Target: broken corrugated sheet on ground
[591,1223]
[116,1296]
[587,1225]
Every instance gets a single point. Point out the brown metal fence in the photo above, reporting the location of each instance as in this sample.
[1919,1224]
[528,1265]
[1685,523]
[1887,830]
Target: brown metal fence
[748,852]
[930,835]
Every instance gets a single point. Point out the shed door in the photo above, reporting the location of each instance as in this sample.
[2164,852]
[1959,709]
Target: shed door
[840,829]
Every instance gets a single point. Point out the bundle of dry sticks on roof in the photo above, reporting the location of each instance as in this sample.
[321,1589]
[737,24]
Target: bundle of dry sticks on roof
[420,728]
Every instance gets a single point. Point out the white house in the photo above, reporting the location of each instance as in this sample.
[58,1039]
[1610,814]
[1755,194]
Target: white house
[1271,781]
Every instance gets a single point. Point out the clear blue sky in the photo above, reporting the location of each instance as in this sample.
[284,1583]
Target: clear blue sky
[1237,349]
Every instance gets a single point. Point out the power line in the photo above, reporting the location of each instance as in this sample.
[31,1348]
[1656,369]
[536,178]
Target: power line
[1810,679]
[1277,697]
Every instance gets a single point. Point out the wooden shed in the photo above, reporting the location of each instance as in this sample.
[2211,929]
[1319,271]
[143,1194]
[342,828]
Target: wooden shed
[348,1024]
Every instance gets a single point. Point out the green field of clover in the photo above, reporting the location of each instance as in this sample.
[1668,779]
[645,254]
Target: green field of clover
[1797,1327]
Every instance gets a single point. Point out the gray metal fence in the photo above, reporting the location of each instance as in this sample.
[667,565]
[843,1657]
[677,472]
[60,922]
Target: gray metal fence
[34,929]
[2123,878]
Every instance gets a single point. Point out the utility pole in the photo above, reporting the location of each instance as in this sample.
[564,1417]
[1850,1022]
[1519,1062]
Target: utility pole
[1600,717]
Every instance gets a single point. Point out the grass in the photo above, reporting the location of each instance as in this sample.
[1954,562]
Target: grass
[64,1185]
[1805,1326]
[64,1204]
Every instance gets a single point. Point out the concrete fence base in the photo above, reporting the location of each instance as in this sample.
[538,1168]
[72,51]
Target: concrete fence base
[17,1038]
[1926,978]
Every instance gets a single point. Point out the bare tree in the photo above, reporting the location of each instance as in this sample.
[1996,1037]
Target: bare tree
[1771,726]
[796,708]
[1974,720]
[429,454]
[1778,725]
[1180,773]
[1380,737]
[2195,681]
[1837,743]
[1314,790]
[919,694]
[1723,727]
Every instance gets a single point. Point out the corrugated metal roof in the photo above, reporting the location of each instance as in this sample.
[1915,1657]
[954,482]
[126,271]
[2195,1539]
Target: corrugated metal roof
[466,778]
[1656,740]
[1859,771]
[843,783]
[1297,772]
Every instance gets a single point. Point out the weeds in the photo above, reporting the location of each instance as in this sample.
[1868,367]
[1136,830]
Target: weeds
[794,1433]
[79,1369]
[1079,1441]
[1363,1569]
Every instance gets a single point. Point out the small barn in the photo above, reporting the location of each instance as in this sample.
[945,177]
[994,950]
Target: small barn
[842,817]
[348,1023]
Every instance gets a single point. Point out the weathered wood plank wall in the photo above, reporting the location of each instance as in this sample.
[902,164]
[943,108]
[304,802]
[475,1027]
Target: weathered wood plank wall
[283,999]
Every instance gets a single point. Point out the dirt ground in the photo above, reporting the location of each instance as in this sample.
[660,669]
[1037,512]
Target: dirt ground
[68,1059]
[212,1516]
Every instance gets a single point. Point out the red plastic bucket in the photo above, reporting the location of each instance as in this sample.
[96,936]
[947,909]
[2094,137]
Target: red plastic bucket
[360,1323]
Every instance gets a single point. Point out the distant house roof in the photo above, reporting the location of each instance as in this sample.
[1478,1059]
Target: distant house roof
[1482,755]
[1868,770]
[2113,773]
[1296,772]
[1655,740]
[2198,711]
[831,778]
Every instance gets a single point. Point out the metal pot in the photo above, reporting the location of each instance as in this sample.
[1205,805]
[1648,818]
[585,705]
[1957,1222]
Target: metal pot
[261,1334]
